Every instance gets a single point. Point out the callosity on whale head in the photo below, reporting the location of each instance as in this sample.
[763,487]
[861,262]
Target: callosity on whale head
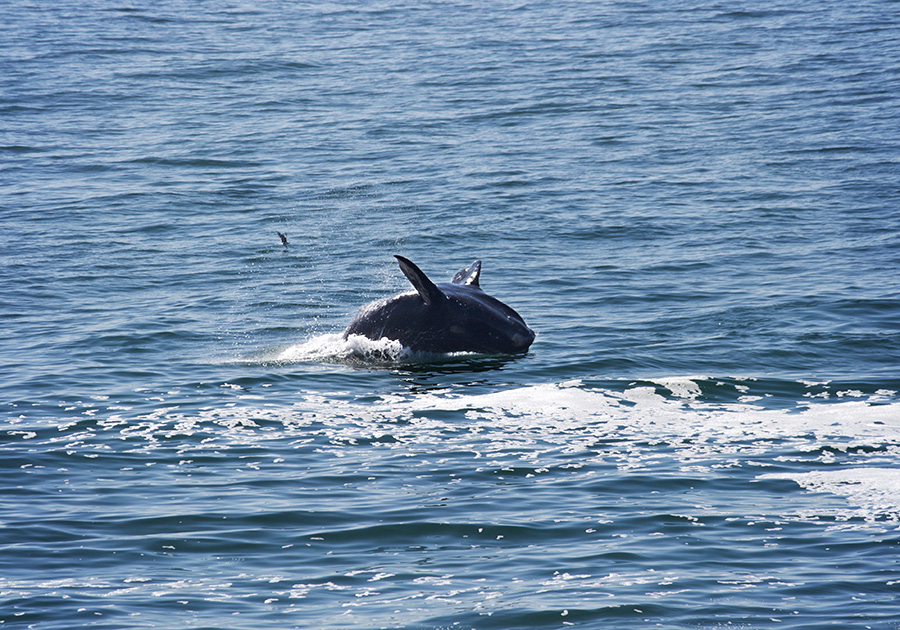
[442,318]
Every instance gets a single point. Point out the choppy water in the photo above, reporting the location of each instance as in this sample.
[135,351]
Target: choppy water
[695,206]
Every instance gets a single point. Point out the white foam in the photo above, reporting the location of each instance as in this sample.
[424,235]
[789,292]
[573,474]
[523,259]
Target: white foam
[702,435]
[538,422]
[356,350]
[334,348]
[682,387]
[652,413]
[875,492]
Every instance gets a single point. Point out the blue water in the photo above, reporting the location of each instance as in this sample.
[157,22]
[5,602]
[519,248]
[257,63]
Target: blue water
[695,206]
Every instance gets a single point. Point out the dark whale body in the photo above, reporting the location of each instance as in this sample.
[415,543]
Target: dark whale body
[442,318]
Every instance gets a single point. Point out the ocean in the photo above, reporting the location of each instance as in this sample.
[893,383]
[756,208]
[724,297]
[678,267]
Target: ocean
[696,207]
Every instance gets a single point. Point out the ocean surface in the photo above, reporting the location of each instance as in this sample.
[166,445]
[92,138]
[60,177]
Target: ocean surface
[696,206]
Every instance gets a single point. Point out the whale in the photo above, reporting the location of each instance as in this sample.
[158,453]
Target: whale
[450,317]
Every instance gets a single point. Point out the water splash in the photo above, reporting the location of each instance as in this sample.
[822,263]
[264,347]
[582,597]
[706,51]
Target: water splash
[356,350]
[333,348]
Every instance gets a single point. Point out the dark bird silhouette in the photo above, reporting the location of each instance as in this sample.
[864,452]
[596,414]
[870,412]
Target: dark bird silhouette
[283,238]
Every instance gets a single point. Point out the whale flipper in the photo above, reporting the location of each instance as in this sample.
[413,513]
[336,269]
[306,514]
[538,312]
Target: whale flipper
[469,275]
[426,289]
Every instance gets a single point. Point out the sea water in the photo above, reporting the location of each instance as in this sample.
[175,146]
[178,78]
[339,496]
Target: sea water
[696,207]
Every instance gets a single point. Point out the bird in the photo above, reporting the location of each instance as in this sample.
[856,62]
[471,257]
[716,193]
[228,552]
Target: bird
[283,238]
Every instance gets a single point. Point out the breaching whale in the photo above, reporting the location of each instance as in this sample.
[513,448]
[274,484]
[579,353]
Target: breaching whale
[442,318]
